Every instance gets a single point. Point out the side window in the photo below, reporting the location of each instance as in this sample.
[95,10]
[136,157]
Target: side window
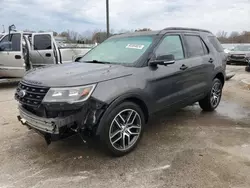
[214,41]
[171,45]
[195,46]
[42,42]
[13,45]
[5,44]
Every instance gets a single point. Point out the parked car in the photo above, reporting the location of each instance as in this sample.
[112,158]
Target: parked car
[21,51]
[115,87]
[227,47]
[239,54]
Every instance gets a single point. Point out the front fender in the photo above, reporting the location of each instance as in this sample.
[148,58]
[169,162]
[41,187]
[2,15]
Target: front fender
[127,96]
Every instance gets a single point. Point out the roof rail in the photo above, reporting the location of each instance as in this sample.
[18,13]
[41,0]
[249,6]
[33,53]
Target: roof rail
[186,28]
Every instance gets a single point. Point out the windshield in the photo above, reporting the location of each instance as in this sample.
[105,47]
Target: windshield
[242,48]
[119,50]
[1,36]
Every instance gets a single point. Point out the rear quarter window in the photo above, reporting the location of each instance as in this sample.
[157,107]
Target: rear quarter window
[195,46]
[216,44]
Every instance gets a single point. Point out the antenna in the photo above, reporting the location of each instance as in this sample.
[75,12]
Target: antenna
[3,29]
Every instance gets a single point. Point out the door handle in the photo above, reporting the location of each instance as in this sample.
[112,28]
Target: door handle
[48,54]
[18,57]
[211,60]
[183,67]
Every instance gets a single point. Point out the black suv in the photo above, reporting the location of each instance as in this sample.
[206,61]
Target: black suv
[113,89]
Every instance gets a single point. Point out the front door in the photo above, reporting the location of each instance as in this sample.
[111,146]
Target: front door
[166,81]
[42,49]
[11,57]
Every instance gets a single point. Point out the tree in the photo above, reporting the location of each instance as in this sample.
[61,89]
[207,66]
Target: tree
[234,34]
[221,34]
[235,37]
[73,35]
[64,34]
[99,36]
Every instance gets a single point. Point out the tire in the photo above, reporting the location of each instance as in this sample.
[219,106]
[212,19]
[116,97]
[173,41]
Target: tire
[247,68]
[119,127]
[212,100]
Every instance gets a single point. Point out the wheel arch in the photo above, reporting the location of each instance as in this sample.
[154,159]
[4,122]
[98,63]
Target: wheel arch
[221,77]
[131,97]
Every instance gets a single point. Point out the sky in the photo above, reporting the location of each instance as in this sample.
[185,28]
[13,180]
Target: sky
[89,15]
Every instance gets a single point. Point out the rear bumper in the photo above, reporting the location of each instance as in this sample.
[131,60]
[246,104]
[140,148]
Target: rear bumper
[45,125]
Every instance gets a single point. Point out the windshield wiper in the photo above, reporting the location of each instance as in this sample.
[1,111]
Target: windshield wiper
[96,61]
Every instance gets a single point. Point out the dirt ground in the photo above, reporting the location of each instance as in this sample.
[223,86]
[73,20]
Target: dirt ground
[189,148]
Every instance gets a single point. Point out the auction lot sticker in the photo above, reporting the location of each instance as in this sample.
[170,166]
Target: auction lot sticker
[135,46]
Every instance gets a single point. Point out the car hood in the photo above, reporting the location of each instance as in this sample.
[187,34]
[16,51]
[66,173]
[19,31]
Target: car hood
[76,74]
[239,52]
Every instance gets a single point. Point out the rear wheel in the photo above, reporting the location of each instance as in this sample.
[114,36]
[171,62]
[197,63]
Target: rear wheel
[123,129]
[212,100]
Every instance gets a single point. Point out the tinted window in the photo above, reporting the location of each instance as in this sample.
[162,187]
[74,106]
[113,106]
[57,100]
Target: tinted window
[42,42]
[13,45]
[194,46]
[214,41]
[171,45]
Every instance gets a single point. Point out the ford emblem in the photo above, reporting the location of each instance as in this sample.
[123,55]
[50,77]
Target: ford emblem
[21,93]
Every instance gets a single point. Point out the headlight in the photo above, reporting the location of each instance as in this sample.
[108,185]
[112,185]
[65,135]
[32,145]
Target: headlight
[70,94]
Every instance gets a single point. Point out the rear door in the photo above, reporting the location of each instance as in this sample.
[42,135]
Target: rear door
[42,49]
[197,69]
[11,57]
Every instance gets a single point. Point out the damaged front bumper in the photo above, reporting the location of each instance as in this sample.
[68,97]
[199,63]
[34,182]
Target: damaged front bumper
[46,125]
[86,117]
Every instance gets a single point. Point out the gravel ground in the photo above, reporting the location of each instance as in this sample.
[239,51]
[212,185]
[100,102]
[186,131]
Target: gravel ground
[188,148]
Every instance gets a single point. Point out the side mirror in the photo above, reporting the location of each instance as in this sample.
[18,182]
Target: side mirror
[163,60]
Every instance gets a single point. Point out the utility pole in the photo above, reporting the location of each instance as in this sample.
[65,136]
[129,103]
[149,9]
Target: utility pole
[107,17]
[3,29]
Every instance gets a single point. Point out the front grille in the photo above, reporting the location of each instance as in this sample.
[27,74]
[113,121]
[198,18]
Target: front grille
[30,95]
[238,56]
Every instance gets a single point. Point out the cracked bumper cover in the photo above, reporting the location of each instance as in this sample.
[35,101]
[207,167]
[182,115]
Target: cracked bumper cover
[86,117]
[47,125]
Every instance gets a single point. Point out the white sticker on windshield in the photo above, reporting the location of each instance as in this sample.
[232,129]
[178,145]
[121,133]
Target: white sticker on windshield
[135,46]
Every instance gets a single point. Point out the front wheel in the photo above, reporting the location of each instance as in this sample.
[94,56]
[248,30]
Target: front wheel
[212,100]
[123,128]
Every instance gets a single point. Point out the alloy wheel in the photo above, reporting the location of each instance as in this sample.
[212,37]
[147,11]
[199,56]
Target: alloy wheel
[125,129]
[216,94]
